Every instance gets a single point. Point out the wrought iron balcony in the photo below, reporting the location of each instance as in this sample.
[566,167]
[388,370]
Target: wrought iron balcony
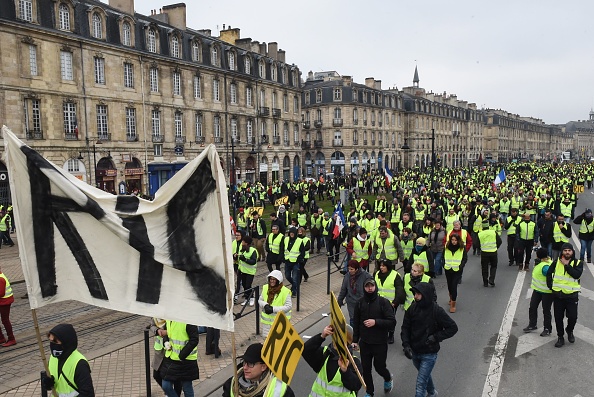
[379,123]
[70,136]
[306,125]
[305,145]
[131,137]
[337,142]
[364,142]
[180,139]
[393,146]
[373,142]
[32,134]
[318,123]
[355,142]
[356,121]
[104,137]
[318,143]
[199,139]
[264,111]
[250,140]
[373,123]
[287,142]
[158,138]
[218,139]
[337,122]
[264,139]
[364,122]
[276,113]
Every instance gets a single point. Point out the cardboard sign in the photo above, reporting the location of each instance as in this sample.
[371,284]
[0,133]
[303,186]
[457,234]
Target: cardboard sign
[249,210]
[339,337]
[280,201]
[282,348]
[578,188]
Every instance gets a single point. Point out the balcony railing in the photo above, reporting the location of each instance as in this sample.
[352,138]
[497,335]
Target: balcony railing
[355,143]
[70,136]
[337,142]
[337,122]
[379,123]
[393,146]
[218,139]
[364,142]
[306,125]
[180,139]
[264,139]
[305,145]
[104,137]
[356,121]
[250,140]
[199,139]
[131,138]
[276,113]
[31,134]
[158,138]
[364,122]
[318,123]
[373,123]
[373,142]
[264,111]
[379,142]
[318,143]
[296,143]
[276,140]
[287,142]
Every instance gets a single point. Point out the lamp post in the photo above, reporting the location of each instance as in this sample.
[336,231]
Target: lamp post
[232,177]
[432,139]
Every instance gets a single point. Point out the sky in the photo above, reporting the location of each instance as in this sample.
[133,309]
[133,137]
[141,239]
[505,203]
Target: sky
[528,57]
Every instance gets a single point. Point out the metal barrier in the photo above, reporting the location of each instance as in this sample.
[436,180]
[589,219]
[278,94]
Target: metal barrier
[147,363]
[42,376]
[254,292]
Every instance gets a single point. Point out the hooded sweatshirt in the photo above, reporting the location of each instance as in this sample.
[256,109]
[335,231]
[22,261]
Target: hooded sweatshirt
[373,306]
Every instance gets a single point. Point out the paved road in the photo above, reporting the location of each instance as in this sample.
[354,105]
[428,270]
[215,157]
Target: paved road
[491,355]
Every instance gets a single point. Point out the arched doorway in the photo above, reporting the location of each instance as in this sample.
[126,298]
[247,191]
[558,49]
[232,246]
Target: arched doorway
[4,185]
[337,163]
[365,162]
[372,162]
[264,170]
[355,162]
[250,169]
[133,172]
[308,164]
[296,168]
[286,168]
[380,162]
[387,161]
[275,169]
[106,174]
[237,173]
[77,168]
[320,164]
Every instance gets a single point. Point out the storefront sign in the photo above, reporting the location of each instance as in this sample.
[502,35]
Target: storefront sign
[126,158]
[275,167]
[110,172]
[133,171]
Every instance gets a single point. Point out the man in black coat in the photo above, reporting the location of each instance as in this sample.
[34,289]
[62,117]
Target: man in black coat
[372,320]
[425,324]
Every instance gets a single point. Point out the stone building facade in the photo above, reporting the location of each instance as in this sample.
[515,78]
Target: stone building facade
[114,96]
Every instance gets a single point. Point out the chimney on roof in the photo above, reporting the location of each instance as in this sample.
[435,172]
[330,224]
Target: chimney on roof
[229,35]
[377,84]
[126,6]
[176,14]
[370,82]
[281,56]
[273,50]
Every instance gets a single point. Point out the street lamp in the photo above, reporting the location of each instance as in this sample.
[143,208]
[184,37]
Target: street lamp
[432,139]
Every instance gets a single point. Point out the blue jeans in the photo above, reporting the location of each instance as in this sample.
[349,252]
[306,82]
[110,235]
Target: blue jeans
[438,262]
[292,274]
[424,363]
[586,248]
[167,386]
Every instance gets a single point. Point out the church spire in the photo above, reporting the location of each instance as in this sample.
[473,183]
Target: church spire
[416,78]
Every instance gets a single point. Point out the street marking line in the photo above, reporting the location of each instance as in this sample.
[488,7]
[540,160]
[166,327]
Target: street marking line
[589,266]
[584,333]
[496,368]
[531,341]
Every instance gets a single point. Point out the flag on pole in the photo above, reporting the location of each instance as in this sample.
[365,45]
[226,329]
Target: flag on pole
[388,175]
[160,258]
[500,177]
[340,221]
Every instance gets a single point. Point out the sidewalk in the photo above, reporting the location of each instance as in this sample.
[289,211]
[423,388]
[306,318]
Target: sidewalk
[118,366]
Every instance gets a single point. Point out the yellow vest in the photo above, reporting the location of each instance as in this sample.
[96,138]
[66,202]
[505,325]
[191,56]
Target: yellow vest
[387,245]
[323,387]
[293,254]
[488,240]
[278,301]
[558,235]
[452,261]
[8,288]
[563,282]
[389,291]
[246,267]
[410,297]
[61,386]
[361,250]
[539,281]
[178,337]
[274,242]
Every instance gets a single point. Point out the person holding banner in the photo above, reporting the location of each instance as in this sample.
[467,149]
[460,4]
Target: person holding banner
[275,297]
[335,377]
[255,379]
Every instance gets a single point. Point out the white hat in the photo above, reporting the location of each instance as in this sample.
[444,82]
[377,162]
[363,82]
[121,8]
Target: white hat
[277,275]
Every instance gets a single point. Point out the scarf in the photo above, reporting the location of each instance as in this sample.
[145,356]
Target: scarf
[273,291]
[251,389]
[353,281]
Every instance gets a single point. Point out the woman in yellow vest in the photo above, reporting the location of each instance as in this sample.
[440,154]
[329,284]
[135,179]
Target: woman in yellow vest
[69,371]
[416,275]
[540,293]
[275,298]
[160,345]
[455,258]
[181,361]
[6,300]
[391,286]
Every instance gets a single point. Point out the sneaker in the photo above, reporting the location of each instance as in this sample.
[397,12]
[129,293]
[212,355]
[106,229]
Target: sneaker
[235,301]
[244,303]
[530,328]
[545,332]
[570,337]
[435,393]
[252,300]
[389,385]
[560,342]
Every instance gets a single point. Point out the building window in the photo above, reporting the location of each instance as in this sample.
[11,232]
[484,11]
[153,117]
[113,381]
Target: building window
[151,42]
[273,71]
[249,131]
[263,128]
[262,98]
[355,116]
[128,75]
[179,126]
[131,124]
[355,137]
[214,56]
[295,104]
[231,60]
[199,125]
[66,65]
[97,26]
[216,96]
[158,150]
[318,96]
[73,165]
[248,96]
[234,130]
[285,102]
[26,10]
[295,73]
[33,59]
[33,115]
[284,75]
[176,83]
[274,99]
[102,129]
[217,127]
[337,94]
[355,98]
[286,133]
[70,122]
[319,115]
[197,87]
[233,92]
[247,65]
[261,69]
[156,122]
[154,79]
[296,133]
[337,113]
[63,17]
[275,130]
[126,34]
[99,70]
[174,47]
[307,100]
[196,51]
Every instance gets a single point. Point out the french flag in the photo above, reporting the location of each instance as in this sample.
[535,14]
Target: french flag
[340,221]
[388,175]
[500,177]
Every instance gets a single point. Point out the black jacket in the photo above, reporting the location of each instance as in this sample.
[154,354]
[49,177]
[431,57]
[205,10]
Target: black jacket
[425,318]
[585,236]
[373,306]
[574,271]
[182,369]
[315,355]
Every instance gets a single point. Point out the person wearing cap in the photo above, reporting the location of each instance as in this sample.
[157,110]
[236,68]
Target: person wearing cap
[181,361]
[334,377]
[563,278]
[390,286]
[275,248]
[6,300]
[247,263]
[258,234]
[352,288]
[527,235]
[254,378]
[586,234]
[69,371]
[294,256]
[422,254]
[489,242]
[424,326]
[275,297]
[360,249]
[373,319]
[540,293]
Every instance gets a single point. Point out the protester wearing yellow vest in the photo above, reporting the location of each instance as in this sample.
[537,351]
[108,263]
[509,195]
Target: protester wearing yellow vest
[422,254]
[540,293]
[455,258]
[275,248]
[511,225]
[247,262]
[386,246]
[489,242]
[275,298]
[563,277]
[335,378]
[527,238]
[561,235]
[181,361]
[294,256]
[159,352]
[69,371]
[6,300]
[391,286]
[411,279]
[359,248]
[586,234]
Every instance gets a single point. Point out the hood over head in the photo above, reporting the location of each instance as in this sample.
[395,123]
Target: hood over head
[67,335]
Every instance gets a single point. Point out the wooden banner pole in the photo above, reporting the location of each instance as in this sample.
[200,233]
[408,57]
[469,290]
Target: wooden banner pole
[41,349]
